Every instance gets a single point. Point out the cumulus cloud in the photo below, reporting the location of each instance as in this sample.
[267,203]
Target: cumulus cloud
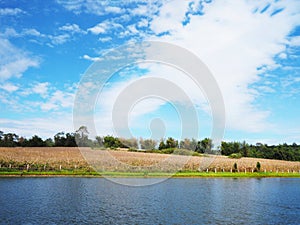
[234,39]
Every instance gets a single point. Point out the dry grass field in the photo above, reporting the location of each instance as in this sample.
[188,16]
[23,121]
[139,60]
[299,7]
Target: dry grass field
[109,160]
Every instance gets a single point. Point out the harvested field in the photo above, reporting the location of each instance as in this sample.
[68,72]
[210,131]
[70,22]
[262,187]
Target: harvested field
[109,160]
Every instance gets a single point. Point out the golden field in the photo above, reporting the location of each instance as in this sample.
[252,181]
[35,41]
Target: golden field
[56,158]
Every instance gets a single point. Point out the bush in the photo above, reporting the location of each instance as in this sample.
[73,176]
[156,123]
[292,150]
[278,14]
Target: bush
[235,156]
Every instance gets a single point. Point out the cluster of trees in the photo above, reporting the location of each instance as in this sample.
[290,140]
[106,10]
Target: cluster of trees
[80,138]
[259,150]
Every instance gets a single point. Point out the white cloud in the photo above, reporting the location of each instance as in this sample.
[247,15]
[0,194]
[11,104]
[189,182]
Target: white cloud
[13,62]
[105,27]
[73,28]
[32,32]
[94,59]
[94,7]
[282,55]
[233,40]
[105,39]
[59,39]
[43,127]
[9,87]
[295,41]
[58,100]
[10,11]
[41,89]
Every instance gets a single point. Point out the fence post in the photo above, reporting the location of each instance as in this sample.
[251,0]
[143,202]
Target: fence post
[59,167]
[27,167]
[9,166]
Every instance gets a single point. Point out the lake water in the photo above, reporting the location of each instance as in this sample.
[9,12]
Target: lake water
[175,201]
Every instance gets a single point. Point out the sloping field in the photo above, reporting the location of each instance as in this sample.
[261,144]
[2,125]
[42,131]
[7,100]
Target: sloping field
[109,160]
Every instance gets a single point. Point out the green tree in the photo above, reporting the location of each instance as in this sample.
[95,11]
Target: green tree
[162,145]
[36,141]
[171,143]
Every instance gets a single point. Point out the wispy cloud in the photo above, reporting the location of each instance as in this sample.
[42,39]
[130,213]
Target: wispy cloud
[14,62]
[73,28]
[105,27]
[11,11]
[9,87]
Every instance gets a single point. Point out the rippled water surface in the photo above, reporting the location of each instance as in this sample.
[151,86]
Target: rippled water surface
[174,201]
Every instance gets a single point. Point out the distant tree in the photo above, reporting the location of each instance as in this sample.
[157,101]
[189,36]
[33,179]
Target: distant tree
[99,141]
[49,142]
[162,145]
[148,144]
[70,140]
[186,144]
[59,139]
[9,140]
[36,141]
[128,143]
[111,142]
[81,136]
[171,143]
[245,149]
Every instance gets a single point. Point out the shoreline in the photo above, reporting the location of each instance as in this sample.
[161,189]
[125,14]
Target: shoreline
[83,174]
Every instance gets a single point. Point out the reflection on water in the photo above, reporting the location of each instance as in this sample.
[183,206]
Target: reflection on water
[175,201]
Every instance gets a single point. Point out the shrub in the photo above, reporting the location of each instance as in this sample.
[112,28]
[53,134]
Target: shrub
[235,156]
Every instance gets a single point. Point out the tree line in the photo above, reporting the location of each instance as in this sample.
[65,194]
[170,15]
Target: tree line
[80,138]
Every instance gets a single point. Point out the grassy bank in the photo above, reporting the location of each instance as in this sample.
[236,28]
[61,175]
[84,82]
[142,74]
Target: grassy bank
[147,175]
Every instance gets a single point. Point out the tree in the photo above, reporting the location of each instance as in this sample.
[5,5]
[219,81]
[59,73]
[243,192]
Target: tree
[59,139]
[81,136]
[99,141]
[9,140]
[148,144]
[162,145]
[111,142]
[186,144]
[245,149]
[171,143]
[49,142]
[128,143]
[70,140]
[36,141]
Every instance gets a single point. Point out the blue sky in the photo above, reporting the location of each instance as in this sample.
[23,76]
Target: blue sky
[252,48]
